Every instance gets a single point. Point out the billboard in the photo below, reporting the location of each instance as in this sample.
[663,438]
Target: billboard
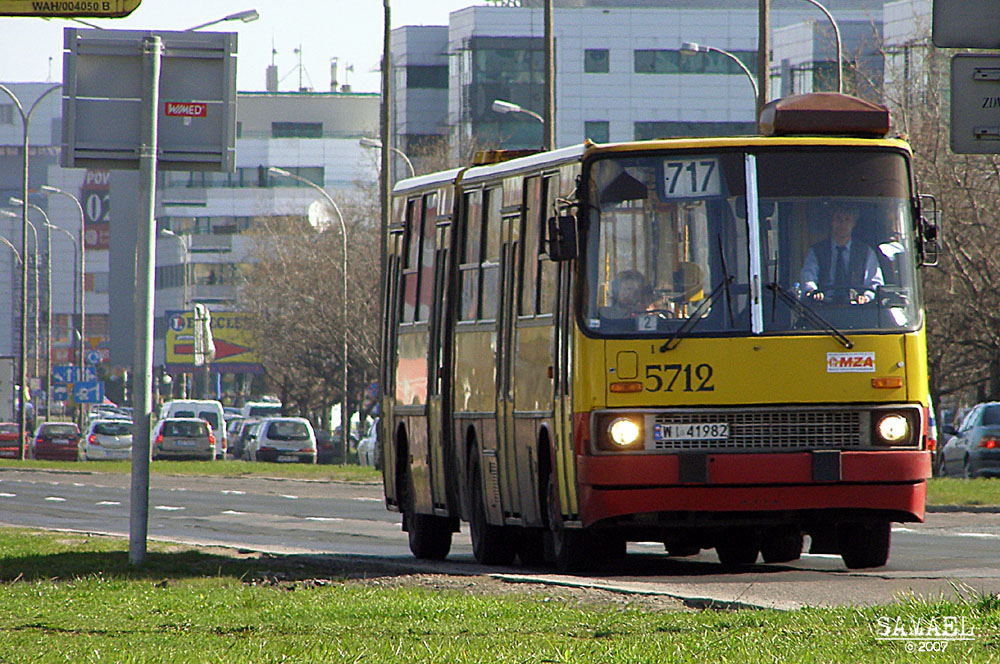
[233,342]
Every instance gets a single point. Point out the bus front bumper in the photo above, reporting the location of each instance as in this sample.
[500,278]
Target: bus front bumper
[623,485]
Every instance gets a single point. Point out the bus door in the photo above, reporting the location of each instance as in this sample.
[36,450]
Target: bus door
[438,369]
[506,315]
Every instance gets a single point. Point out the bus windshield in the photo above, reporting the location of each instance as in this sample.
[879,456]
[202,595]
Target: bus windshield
[669,248]
[669,243]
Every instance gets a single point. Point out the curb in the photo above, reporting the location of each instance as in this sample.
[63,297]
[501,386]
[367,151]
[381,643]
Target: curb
[975,509]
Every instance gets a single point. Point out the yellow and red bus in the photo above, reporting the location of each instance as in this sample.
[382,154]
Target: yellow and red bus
[656,341]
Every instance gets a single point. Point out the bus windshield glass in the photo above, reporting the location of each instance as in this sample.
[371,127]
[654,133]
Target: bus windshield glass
[668,248]
[667,242]
[836,231]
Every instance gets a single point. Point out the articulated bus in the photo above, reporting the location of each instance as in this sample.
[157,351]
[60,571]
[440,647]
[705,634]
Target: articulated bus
[669,340]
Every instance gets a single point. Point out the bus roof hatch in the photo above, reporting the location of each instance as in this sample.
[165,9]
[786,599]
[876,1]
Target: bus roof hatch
[824,113]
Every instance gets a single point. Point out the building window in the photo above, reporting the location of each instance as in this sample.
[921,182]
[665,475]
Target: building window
[645,131]
[6,114]
[658,61]
[296,130]
[427,76]
[596,61]
[597,130]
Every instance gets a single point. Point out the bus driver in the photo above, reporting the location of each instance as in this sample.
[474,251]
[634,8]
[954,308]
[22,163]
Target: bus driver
[838,268]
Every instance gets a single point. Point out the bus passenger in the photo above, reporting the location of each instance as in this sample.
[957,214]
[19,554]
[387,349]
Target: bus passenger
[631,294]
[838,268]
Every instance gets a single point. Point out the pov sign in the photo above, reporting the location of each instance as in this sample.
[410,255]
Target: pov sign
[71,8]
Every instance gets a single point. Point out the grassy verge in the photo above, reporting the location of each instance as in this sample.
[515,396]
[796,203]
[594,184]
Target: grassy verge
[303,471]
[74,598]
[954,491]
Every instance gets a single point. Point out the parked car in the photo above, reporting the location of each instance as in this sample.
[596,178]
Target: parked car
[282,439]
[107,439]
[183,438]
[262,409]
[974,449]
[56,441]
[368,452]
[8,440]
[326,450]
[209,410]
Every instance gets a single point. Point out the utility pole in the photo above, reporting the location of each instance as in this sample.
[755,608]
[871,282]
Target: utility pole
[763,53]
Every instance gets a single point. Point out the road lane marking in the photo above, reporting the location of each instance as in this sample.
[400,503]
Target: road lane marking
[234,512]
[233,492]
[289,497]
[55,499]
[109,502]
[323,518]
[363,499]
[978,535]
[8,495]
[168,508]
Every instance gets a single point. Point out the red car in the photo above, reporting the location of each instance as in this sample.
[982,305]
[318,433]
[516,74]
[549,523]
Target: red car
[56,441]
[8,440]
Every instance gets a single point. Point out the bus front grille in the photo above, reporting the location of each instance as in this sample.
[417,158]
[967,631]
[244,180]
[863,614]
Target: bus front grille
[779,429]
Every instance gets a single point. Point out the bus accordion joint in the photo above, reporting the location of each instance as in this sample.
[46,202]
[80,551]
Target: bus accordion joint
[626,387]
[887,383]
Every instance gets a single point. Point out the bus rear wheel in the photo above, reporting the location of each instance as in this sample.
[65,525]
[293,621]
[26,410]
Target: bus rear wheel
[738,546]
[491,545]
[429,535]
[864,544]
[781,545]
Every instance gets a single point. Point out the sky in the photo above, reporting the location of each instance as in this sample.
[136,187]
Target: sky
[349,30]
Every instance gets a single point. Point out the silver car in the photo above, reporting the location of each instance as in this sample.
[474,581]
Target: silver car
[107,439]
[183,438]
[282,439]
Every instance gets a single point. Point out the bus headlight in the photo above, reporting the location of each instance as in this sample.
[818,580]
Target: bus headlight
[623,432]
[893,429]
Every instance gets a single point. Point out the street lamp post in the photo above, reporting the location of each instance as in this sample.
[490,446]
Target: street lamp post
[37,260]
[840,47]
[76,298]
[502,107]
[25,124]
[376,144]
[344,420]
[689,48]
[82,271]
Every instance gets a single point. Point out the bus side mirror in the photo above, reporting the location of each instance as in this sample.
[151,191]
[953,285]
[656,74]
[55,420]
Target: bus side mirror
[927,237]
[561,242]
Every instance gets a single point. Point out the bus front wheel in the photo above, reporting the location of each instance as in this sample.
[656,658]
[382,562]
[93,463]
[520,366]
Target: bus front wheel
[570,548]
[864,544]
[429,535]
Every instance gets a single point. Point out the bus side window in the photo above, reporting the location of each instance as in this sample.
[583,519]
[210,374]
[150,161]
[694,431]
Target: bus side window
[491,255]
[547,270]
[534,216]
[411,263]
[471,254]
[427,256]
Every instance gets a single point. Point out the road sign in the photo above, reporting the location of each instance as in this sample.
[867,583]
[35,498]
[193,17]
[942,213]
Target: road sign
[966,24]
[975,104]
[88,9]
[93,357]
[91,391]
[64,373]
[60,393]
[84,374]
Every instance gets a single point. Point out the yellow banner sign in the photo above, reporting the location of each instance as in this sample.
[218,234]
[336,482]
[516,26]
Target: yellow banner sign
[71,8]
[233,341]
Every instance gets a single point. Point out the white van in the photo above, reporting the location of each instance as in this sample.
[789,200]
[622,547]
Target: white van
[262,409]
[206,409]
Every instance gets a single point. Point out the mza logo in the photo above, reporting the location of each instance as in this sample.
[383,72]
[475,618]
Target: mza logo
[850,362]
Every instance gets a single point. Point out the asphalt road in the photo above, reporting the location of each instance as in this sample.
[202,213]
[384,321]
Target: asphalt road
[949,551]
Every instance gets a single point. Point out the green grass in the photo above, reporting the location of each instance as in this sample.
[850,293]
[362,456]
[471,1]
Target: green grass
[345,473]
[954,491]
[74,598]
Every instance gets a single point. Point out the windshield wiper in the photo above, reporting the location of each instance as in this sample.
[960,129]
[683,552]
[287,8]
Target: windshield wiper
[695,317]
[813,317]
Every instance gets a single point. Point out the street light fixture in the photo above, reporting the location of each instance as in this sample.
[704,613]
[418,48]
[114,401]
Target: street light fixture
[376,144]
[25,124]
[82,271]
[840,47]
[690,48]
[503,107]
[17,256]
[246,16]
[345,422]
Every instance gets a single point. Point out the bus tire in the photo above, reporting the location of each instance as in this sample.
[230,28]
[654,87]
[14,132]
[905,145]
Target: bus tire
[570,547]
[864,544]
[491,545]
[739,546]
[429,535]
[531,547]
[781,545]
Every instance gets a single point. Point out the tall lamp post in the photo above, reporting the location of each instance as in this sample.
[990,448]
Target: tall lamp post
[502,107]
[690,48]
[25,124]
[37,260]
[376,144]
[82,250]
[245,16]
[77,297]
[840,46]
[344,421]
